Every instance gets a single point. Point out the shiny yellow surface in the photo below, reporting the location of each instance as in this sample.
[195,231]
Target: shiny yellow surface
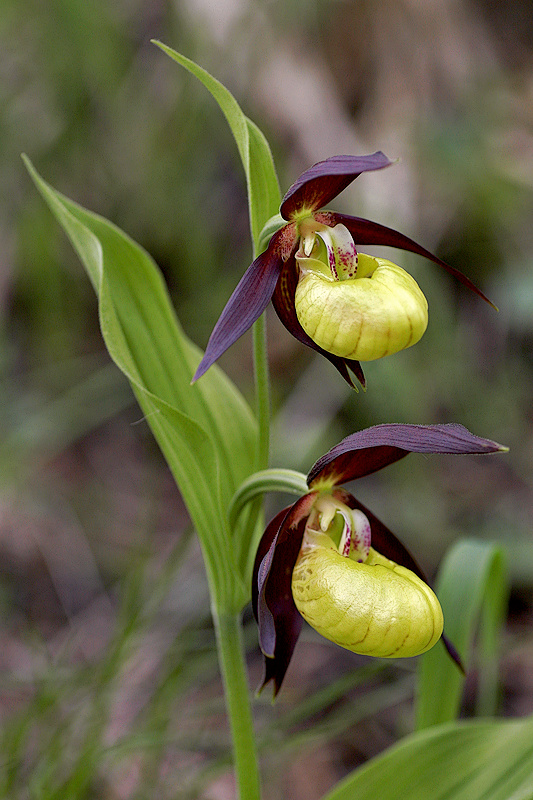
[377,313]
[377,608]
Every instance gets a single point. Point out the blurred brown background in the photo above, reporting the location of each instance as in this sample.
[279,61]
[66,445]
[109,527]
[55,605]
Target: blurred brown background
[109,677]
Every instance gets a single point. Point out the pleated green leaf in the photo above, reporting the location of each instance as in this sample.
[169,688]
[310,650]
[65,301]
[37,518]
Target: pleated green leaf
[262,183]
[206,431]
[478,760]
[472,587]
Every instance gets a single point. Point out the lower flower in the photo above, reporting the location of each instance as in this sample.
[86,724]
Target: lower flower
[327,559]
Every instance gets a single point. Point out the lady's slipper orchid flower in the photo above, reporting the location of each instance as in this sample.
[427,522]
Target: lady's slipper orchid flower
[329,560]
[346,305]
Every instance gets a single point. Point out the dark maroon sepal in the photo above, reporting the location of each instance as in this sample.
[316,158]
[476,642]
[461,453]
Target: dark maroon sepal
[278,619]
[283,302]
[325,180]
[250,298]
[355,367]
[452,652]
[364,231]
[265,543]
[369,450]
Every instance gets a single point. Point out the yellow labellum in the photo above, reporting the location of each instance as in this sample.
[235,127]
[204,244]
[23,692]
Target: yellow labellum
[379,312]
[376,608]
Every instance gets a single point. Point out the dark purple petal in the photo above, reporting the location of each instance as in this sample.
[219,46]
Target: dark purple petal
[246,304]
[386,543]
[371,449]
[283,302]
[323,181]
[364,231]
[278,619]
[271,531]
[452,652]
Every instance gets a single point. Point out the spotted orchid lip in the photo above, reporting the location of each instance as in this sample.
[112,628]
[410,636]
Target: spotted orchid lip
[273,274]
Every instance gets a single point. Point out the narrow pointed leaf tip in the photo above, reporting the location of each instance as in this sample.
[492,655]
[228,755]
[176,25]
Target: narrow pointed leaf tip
[371,449]
[325,180]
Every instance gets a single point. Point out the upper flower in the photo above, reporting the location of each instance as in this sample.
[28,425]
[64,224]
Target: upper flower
[314,275]
[328,559]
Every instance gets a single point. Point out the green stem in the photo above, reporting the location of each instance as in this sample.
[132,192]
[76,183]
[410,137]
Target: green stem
[262,391]
[228,625]
[237,694]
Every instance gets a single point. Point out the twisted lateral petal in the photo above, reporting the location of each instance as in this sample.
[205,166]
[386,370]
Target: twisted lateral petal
[325,180]
[362,318]
[246,304]
[279,630]
[364,231]
[277,617]
[369,450]
[377,608]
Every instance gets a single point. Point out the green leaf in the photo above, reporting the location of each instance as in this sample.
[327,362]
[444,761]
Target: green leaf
[478,760]
[263,188]
[471,585]
[206,431]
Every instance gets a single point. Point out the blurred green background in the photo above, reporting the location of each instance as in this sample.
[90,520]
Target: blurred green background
[109,684]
